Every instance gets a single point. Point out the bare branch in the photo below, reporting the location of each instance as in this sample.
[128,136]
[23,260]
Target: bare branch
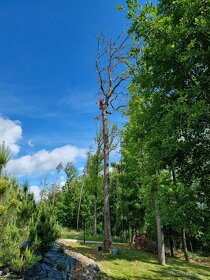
[100,77]
[110,54]
[117,85]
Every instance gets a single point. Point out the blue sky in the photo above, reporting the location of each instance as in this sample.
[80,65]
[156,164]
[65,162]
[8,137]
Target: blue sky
[48,80]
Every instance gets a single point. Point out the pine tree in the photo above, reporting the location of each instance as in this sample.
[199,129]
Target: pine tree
[44,229]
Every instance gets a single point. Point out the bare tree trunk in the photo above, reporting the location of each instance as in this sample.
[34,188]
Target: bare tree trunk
[54,193]
[123,231]
[95,212]
[171,245]
[107,222]
[53,201]
[79,206]
[184,243]
[96,192]
[160,234]
[191,247]
[116,207]
[174,243]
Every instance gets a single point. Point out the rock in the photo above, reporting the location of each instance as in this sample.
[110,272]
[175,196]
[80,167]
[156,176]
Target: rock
[59,265]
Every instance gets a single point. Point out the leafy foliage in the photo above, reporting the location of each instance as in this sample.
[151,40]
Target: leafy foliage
[167,135]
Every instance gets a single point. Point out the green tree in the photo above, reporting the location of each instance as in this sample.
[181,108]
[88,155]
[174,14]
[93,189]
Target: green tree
[15,211]
[173,76]
[71,173]
[5,156]
[44,229]
[169,110]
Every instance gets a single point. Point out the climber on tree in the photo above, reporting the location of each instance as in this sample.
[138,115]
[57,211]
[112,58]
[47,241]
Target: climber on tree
[101,102]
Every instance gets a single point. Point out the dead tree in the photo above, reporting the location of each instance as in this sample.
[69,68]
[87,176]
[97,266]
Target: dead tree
[98,160]
[110,63]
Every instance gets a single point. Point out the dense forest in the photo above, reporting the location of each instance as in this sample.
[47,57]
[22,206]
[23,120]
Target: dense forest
[156,74]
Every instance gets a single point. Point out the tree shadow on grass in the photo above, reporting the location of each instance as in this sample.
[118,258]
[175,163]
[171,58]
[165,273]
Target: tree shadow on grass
[163,273]
[175,268]
[180,273]
[180,269]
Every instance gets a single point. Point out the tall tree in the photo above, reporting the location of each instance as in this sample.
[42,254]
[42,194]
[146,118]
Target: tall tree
[170,101]
[109,61]
[173,72]
[55,186]
[71,173]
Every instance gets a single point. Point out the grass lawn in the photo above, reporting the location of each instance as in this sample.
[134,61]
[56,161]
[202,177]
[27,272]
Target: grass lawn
[71,234]
[134,264]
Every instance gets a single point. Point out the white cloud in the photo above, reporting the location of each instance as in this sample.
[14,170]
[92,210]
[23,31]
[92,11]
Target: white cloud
[11,133]
[36,191]
[43,161]
[30,143]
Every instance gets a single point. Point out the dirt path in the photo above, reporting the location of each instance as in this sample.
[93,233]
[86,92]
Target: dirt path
[88,242]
